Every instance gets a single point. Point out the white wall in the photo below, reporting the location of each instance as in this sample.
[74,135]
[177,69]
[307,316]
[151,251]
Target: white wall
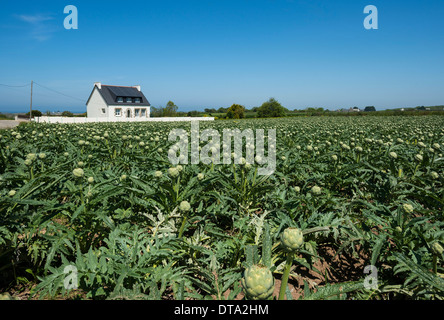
[111,110]
[95,105]
[46,119]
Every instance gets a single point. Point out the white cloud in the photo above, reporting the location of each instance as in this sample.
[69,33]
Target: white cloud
[40,27]
[35,19]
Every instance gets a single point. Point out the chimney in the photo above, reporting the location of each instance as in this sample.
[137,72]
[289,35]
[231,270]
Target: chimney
[137,87]
[98,85]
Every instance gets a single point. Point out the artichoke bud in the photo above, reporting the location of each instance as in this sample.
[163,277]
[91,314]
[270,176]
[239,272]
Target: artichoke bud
[184,206]
[316,190]
[408,208]
[78,172]
[292,239]
[7,296]
[437,249]
[258,282]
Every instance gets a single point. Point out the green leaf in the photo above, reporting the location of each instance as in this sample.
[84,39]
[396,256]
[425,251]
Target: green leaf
[377,249]
[333,291]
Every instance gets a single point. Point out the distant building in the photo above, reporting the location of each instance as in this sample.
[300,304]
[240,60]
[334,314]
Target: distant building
[117,103]
[21,117]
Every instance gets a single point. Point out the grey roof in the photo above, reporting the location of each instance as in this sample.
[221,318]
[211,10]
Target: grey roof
[110,94]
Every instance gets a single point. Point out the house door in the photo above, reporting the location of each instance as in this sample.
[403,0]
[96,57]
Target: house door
[128,113]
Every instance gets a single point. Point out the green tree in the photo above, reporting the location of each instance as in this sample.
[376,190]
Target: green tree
[236,111]
[156,112]
[67,114]
[271,108]
[193,113]
[170,109]
[35,113]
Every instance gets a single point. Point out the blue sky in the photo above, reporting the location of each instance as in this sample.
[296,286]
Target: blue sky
[213,53]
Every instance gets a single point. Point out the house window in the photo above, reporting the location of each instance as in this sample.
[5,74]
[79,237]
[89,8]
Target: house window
[128,113]
[137,100]
[137,112]
[143,112]
[129,100]
[103,110]
[117,112]
[119,99]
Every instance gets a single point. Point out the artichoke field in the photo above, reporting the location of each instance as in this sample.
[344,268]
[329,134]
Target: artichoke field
[105,199]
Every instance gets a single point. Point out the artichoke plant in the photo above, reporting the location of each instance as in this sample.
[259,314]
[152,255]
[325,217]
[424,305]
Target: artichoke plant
[158,174]
[292,239]
[437,249]
[316,190]
[393,155]
[258,283]
[418,157]
[408,208]
[184,206]
[7,296]
[173,172]
[78,172]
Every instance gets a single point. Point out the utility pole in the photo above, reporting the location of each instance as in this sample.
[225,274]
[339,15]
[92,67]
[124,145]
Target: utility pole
[30,108]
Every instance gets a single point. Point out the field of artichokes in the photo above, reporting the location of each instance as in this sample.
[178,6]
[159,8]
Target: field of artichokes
[104,200]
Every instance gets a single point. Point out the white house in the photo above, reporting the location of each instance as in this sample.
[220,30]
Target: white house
[116,103]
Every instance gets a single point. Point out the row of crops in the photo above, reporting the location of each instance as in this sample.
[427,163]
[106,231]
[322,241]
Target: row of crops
[104,200]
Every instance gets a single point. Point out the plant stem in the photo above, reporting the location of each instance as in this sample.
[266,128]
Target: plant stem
[234,172]
[244,182]
[285,276]
[416,169]
[435,264]
[176,187]
[182,227]
[254,177]
[81,193]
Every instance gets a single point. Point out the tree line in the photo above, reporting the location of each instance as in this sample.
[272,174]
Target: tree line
[269,109]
